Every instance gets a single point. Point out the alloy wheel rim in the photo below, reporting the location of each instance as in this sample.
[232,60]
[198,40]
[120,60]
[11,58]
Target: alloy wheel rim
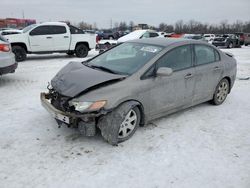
[128,124]
[222,92]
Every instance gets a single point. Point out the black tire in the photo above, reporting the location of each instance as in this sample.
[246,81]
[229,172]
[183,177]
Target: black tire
[221,92]
[20,53]
[81,50]
[112,124]
[246,44]
[70,53]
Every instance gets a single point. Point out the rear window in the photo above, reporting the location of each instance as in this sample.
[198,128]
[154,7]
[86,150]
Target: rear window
[74,30]
[58,29]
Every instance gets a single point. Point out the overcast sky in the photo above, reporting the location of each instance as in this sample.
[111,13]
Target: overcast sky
[151,12]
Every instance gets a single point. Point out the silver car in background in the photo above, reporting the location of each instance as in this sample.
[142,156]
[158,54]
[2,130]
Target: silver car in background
[7,58]
[137,82]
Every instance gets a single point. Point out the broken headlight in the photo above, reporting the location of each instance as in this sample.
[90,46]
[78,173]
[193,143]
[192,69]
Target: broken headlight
[90,106]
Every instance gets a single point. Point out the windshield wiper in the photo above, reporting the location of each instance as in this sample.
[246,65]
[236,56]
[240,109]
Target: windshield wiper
[102,68]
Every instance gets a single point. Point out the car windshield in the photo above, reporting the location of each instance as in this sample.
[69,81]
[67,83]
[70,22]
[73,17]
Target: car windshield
[125,59]
[26,29]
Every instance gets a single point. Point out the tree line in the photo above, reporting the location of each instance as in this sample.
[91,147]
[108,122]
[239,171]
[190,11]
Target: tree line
[192,26]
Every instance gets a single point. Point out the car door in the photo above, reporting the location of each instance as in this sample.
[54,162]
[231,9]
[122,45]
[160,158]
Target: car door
[61,37]
[208,72]
[171,92]
[41,39]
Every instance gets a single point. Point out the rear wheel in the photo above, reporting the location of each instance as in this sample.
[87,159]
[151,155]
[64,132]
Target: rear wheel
[81,50]
[221,92]
[20,53]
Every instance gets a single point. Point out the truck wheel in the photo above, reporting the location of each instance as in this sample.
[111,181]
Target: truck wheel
[119,125]
[81,50]
[246,44]
[20,53]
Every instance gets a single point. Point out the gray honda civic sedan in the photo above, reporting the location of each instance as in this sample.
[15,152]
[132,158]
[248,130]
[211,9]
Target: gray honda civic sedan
[137,82]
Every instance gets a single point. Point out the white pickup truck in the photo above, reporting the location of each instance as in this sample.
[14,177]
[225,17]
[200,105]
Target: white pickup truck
[50,37]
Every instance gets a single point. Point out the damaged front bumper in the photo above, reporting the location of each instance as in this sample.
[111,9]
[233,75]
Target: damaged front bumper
[86,123]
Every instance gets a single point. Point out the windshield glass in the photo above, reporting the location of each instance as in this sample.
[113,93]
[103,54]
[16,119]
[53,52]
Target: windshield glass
[26,29]
[126,58]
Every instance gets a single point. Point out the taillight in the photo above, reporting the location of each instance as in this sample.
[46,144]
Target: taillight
[4,48]
[97,39]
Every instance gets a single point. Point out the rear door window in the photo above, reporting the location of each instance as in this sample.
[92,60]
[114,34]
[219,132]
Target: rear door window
[205,54]
[57,29]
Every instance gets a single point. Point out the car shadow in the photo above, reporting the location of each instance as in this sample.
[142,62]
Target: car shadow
[49,57]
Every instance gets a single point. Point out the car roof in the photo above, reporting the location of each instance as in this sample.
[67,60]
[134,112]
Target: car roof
[53,23]
[165,42]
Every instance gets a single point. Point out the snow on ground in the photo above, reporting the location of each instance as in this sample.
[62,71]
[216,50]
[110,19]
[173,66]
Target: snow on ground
[205,146]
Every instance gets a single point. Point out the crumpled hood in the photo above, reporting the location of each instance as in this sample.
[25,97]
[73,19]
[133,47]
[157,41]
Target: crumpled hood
[75,78]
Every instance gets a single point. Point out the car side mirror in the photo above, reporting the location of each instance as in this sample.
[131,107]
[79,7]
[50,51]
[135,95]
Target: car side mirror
[164,71]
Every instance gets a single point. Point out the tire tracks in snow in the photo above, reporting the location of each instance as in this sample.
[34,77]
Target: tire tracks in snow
[11,83]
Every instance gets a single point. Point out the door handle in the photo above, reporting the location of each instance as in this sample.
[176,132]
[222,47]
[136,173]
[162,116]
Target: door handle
[189,75]
[66,36]
[217,68]
[49,37]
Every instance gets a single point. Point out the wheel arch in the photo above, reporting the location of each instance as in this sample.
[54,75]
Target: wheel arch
[138,104]
[85,43]
[229,81]
[20,44]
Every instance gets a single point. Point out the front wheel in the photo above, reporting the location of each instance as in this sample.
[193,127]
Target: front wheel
[120,125]
[20,53]
[81,50]
[221,92]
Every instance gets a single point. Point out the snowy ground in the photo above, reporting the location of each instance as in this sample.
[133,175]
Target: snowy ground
[204,146]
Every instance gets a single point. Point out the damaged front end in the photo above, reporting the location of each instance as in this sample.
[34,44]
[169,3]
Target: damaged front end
[59,107]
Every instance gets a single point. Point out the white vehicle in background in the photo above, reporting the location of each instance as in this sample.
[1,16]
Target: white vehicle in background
[104,45]
[163,34]
[50,37]
[209,37]
[10,32]
[138,34]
